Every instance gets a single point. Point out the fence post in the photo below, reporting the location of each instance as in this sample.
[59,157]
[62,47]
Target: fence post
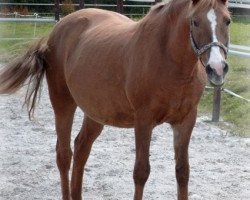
[81,4]
[34,33]
[216,104]
[14,32]
[57,10]
[119,7]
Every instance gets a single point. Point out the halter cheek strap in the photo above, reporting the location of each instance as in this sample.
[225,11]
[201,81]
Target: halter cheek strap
[202,50]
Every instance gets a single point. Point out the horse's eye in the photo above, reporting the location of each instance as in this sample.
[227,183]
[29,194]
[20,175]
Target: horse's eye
[228,22]
[195,23]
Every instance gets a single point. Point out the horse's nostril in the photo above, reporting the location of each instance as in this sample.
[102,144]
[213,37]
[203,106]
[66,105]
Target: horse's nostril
[209,70]
[225,70]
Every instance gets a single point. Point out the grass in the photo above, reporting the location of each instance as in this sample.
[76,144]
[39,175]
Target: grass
[233,110]
[240,31]
[24,32]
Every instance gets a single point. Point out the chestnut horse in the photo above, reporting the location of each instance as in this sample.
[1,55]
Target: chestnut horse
[126,74]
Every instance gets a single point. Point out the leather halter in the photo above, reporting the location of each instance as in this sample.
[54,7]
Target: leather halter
[203,49]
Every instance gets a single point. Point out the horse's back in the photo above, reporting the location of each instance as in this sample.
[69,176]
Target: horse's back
[67,32]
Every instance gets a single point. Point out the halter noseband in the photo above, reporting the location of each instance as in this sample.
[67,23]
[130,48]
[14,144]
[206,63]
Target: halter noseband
[202,50]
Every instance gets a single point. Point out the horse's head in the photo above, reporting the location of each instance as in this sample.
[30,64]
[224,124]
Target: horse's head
[209,36]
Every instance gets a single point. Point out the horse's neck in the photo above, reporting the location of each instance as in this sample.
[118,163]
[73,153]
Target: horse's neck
[166,29]
[179,42]
[173,41]
[162,41]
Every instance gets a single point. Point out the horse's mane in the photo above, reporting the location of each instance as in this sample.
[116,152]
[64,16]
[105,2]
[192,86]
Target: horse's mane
[169,11]
[173,6]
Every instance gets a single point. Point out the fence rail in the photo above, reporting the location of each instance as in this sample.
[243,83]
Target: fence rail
[41,20]
[239,5]
[239,50]
[240,1]
[245,4]
[239,53]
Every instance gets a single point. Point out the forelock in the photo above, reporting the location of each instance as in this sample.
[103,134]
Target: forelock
[202,6]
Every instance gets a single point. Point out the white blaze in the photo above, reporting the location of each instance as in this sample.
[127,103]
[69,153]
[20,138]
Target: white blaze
[215,59]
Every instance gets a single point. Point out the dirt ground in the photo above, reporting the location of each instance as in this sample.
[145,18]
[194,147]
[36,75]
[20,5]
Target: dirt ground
[220,163]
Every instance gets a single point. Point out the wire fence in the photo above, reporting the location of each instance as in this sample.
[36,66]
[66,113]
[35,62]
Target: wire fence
[145,5]
[17,17]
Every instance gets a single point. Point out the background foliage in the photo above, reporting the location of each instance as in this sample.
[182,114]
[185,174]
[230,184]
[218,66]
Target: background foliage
[65,11]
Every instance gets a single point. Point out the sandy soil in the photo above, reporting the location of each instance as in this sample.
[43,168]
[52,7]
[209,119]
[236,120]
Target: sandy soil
[220,164]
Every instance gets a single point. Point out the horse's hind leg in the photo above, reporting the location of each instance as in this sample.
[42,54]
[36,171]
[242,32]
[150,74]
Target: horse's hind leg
[182,134]
[89,132]
[64,122]
[64,108]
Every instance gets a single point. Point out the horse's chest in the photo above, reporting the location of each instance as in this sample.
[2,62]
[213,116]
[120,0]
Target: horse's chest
[175,106]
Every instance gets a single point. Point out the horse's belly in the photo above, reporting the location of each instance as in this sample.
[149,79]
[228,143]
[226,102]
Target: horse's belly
[117,119]
[101,98]
[107,111]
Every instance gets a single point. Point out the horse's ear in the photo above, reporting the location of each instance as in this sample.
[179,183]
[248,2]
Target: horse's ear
[224,1]
[195,2]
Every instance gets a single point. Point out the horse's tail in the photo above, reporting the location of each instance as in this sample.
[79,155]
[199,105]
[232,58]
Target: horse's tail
[29,70]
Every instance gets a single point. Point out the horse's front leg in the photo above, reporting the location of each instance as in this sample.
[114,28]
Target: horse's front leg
[143,132]
[182,134]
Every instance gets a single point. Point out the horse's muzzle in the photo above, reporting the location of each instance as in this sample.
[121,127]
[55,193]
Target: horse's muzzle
[216,73]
